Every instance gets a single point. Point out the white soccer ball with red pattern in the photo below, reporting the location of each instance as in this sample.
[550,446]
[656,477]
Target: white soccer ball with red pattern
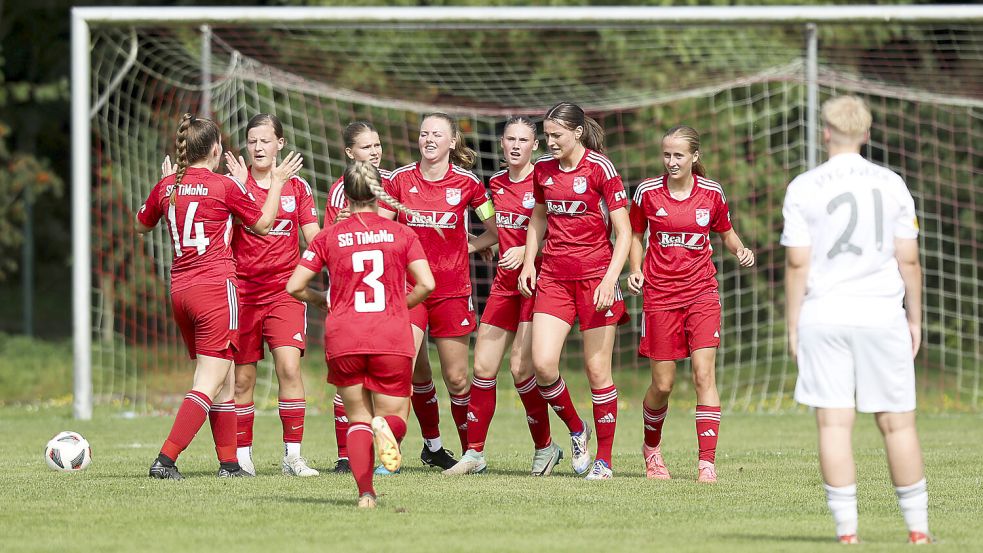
[68,452]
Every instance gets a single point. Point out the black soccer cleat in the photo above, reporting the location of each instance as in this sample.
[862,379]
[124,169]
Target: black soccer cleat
[161,471]
[441,458]
[233,473]
[342,467]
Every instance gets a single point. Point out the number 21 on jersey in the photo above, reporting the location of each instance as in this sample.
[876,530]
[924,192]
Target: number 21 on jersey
[198,240]
[371,279]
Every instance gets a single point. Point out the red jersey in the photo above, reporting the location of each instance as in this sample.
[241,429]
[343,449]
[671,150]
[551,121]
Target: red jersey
[678,265]
[337,200]
[444,204]
[200,224]
[366,256]
[513,207]
[264,263]
[578,203]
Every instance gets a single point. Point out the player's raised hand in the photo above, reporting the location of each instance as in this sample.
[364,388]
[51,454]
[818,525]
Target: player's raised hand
[289,167]
[167,168]
[745,257]
[236,167]
[527,280]
[512,258]
[635,282]
[604,295]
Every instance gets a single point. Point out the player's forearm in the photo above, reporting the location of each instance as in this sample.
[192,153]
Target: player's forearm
[636,253]
[911,274]
[307,294]
[732,241]
[534,236]
[796,275]
[417,295]
[486,239]
[270,208]
[622,244]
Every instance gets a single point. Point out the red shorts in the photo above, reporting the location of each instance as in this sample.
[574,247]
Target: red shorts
[446,317]
[506,312]
[391,375]
[674,334]
[280,323]
[574,299]
[208,316]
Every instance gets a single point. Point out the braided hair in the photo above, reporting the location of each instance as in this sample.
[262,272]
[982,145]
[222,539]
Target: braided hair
[363,186]
[194,141]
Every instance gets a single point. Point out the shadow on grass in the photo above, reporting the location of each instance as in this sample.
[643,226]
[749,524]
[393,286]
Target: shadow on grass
[337,501]
[758,538]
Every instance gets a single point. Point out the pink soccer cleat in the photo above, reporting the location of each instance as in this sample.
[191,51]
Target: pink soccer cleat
[655,466]
[919,538]
[707,473]
[848,539]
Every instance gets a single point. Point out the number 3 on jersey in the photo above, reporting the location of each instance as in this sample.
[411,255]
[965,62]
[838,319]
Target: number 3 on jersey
[378,303]
[199,241]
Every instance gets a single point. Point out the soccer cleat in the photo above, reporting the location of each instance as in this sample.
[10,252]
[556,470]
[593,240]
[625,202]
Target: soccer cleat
[655,466]
[848,539]
[161,471]
[544,460]
[342,466]
[441,458]
[224,472]
[366,501]
[599,471]
[919,538]
[295,465]
[707,473]
[386,446]
[580,455]
[382,471]
[246,464]
[472,462]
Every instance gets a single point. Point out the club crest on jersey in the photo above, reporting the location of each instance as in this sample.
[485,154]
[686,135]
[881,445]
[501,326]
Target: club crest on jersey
[453,196]
[528,200]
[289,203]
[580,185]
[702,217]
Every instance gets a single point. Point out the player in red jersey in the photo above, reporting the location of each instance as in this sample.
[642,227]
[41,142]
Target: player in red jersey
[267,313]
[367,336]
[579,199]
[440,188]
[681,303]
[199,206]
[507,318]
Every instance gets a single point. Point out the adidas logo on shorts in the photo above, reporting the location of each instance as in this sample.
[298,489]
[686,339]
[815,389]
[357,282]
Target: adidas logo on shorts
[298,337]
[607,419]
[465,322]
[716,334]
[609,313]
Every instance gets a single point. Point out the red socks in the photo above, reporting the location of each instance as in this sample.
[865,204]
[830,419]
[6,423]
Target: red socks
[222,418]
[652,425]
[190,416]
[425,407]
[481,409]
[459,412]
[537,411]
[361,455]
[707,429]
[292,418]
[605,402]
[340,427]
[245,416]
[558,397]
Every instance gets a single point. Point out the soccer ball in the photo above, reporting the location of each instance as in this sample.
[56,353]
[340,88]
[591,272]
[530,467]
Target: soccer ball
[68,452]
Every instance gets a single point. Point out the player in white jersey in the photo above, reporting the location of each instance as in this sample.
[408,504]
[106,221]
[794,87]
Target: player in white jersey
[853,308]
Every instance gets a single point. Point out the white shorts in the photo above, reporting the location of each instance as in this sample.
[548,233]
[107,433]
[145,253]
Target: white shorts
[870,368]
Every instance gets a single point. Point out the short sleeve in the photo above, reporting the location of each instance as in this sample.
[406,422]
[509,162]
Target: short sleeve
[636,215]
[537,188]
[906,225]
[613,191]
[312,258]
[241,202]
[721,219]
[796,231]
[150,212]
[306,210]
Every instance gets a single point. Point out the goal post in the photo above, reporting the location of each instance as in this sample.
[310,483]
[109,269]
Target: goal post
[752,77]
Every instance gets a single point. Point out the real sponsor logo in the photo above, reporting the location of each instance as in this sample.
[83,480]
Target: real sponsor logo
[282,227]
[440,219]
[566,207]
[288,203]
[702,216]
[580,184]
[507,219]
[688,240]
[453,196]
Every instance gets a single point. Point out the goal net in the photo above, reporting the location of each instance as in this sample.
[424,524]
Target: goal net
[744,87]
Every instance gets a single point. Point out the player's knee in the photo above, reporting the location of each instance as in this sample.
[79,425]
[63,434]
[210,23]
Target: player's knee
[244,385]
[456,383]
[661,387]
[704,378]
[289,373]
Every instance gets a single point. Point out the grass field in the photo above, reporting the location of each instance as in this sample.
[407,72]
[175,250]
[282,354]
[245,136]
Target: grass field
[769,497]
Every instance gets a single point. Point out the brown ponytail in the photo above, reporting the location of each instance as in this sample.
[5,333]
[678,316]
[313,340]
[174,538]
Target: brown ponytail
[570,116]
[194,141]
[692,138]
[461,155]
[363,186]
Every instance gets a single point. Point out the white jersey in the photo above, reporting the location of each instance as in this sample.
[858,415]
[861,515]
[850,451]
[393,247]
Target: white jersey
[849,211]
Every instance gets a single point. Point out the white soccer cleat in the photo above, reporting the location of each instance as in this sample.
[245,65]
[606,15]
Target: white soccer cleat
[600,471]
[579,453]
[295,465]
[366,501]
[655,465]
[472,462]
[545,460]
[386,445]
[707,473]
[246,464]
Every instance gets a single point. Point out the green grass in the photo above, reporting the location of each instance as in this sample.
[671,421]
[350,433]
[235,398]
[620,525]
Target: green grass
[769,497]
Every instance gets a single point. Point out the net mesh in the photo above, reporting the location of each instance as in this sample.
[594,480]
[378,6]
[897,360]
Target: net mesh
[742,87]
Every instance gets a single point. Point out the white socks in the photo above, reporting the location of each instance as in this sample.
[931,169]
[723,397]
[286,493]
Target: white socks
[913,501]
[244,453]
[843,504]
[434,444]
[291,449]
